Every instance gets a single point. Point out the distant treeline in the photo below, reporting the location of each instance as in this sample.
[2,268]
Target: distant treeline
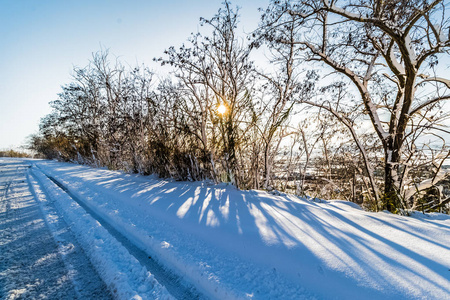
[14,153]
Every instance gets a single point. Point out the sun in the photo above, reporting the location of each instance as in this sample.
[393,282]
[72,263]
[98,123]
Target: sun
[222,109]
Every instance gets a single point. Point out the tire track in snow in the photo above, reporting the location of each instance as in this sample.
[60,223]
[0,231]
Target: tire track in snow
[30,267]
[174,284]
[124,276]
[85,279]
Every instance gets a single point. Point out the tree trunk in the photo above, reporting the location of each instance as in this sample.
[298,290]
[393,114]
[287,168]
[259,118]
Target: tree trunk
[267,166]
[391,199]
[231,151]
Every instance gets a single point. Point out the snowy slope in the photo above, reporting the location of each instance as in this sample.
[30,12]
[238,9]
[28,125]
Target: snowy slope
[250,244]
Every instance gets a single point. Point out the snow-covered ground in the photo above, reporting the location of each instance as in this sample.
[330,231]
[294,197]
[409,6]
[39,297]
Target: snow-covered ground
[213,241]
[39,256]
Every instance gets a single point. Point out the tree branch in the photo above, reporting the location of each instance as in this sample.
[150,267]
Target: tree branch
[426,103]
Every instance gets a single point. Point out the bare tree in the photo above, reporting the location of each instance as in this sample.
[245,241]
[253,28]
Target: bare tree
[216,70]
[277,109]
[388,51]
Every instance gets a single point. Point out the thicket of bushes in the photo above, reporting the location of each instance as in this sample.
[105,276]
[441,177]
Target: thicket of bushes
[286,129]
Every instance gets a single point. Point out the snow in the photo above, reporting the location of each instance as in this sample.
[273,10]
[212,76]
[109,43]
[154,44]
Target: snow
[121,272]
[84,278]
[395,62]
[232,244]
[425,184]
[38,257]
[409,47]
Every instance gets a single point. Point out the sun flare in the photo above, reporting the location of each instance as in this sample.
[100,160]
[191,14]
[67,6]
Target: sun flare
[222,109]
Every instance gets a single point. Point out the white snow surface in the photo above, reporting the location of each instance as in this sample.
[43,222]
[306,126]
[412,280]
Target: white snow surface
[123,274]
[39,256]
[233,244]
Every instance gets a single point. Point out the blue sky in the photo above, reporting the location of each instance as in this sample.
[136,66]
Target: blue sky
[41,42]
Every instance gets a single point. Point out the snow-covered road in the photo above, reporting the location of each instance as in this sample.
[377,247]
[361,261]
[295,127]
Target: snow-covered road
[39,256]
[149,238]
